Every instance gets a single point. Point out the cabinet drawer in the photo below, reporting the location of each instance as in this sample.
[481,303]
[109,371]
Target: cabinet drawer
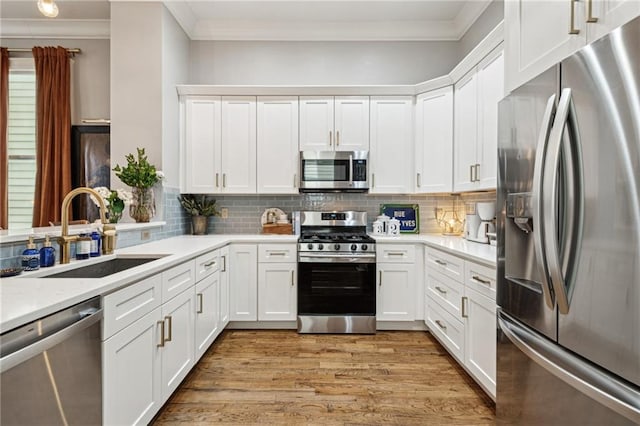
[451,266]
[207,264]
[448,330]
[277,253]
[131,303]
[177,279]
[445,291]
[395,253]
[480,278]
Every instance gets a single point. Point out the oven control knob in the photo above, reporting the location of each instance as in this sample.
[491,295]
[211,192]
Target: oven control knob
[364,247]
[320,246]
[336,246]
[310,246]
[354,247]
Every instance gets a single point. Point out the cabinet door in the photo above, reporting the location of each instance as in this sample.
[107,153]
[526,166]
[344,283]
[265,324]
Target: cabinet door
[224,287]
[207,325]
[132,373]
[610,14]
[351,123]
[466,132]
[537,36]
[316,123]
[490,92]
[391,145]
[178,349]
[480,339]
[277,292]
[396,295]
[238,145]
[434,141]
[201,145]
[277,144]
[243,265]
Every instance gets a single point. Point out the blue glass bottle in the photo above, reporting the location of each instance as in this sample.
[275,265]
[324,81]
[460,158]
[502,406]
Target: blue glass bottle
[95,244]
[31,257]
[47,254]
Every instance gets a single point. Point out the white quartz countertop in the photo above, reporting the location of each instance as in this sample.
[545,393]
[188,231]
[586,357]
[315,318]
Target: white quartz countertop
[477,252]
[28,297]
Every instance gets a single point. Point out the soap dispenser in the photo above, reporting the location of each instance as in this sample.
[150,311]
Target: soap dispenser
[31,257]
[47,254]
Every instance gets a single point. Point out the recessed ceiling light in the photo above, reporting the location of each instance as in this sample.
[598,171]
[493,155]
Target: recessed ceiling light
[48,8]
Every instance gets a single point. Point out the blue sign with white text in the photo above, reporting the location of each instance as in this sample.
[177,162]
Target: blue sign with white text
[407,214]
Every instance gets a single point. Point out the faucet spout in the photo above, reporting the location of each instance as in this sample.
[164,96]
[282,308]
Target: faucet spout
[66,239]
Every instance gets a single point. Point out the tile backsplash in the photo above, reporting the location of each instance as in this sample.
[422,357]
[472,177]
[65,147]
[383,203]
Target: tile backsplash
[245,211]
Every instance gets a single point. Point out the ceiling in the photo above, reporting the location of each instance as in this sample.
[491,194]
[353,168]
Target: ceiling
[266,19]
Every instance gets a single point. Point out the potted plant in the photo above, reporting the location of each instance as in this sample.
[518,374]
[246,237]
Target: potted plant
[140,176]
[200,207]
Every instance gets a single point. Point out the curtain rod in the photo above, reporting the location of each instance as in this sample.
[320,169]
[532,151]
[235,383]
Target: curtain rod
[27,50]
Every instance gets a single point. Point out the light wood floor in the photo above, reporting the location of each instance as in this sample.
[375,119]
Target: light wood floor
[281,377]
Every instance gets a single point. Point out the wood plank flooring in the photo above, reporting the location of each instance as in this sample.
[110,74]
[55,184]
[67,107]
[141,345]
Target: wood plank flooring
[281,377]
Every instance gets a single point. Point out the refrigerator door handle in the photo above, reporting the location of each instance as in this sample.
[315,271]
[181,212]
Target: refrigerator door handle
[565,120]
[538,204]
[604,388]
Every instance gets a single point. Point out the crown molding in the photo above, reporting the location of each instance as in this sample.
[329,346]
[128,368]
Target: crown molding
[56,28]
[409,30]
[488,44]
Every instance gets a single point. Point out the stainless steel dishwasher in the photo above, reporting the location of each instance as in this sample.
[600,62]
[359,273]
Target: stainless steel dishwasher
[51,369]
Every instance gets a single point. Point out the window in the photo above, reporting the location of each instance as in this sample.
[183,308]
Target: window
[21,142]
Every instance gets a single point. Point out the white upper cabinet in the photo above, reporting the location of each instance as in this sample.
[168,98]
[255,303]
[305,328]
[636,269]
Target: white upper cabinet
[219,145]
[476,125]
[201,144]
[539,34]
[391,155]
[328,123]
[238,144]
[277,146]
[434,141]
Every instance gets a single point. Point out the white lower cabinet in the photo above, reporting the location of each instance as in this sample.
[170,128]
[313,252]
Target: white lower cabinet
[397,272]
[460,311]
[243,265]
[224,287]
[277,292]
[207,313]
[132,371]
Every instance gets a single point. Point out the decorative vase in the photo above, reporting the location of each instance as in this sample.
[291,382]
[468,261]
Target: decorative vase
[114,216]
[143,205]
[199,225]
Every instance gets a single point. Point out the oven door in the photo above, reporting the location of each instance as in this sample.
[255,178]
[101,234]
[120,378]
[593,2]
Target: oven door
[328,287]
[331,171]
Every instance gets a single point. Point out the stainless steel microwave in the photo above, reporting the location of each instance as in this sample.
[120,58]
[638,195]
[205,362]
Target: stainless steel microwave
[331,171]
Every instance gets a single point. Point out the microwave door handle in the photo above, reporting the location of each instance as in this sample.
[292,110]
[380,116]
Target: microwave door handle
[350,170]
[538,199]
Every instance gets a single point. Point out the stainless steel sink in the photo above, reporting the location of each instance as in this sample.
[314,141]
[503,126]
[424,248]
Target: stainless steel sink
[102,269]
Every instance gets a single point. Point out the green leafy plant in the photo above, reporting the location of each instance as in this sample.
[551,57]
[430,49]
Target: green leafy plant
[198,205]
[138,172]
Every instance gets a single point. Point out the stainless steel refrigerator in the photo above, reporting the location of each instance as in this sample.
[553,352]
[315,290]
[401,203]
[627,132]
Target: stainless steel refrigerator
[569,240]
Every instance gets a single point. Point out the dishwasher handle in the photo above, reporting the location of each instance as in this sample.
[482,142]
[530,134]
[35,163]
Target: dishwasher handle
[90,317]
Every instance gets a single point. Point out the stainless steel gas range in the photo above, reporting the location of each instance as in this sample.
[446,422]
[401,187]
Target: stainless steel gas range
[336,273]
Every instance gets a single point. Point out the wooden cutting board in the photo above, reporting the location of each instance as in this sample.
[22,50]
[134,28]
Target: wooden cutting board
[274,228]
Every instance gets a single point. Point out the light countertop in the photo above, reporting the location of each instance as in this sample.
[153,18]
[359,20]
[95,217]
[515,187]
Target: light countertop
[27,297]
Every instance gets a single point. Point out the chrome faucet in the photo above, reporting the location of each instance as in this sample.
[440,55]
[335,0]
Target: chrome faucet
[108,229]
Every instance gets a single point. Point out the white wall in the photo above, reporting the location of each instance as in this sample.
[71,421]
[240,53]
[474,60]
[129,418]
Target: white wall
[136,81]
[319,63]
[90,74]
[175,70]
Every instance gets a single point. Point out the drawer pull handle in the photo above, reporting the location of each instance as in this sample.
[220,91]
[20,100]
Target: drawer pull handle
[572,18]
[464,304]
[169,334]
[330,138]
[209,264]
[217,180]
[199,311]
[395,253]
[441,290]
[480,280]
[590,17]
[162,337]
[380,280]
[276,253]
[224,263]
[292,278]
[440,262]
[441,325]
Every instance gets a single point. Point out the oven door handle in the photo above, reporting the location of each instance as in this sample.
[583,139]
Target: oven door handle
[332,258]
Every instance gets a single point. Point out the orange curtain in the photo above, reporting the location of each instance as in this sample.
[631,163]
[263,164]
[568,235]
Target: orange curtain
[4,160]
[53,133]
